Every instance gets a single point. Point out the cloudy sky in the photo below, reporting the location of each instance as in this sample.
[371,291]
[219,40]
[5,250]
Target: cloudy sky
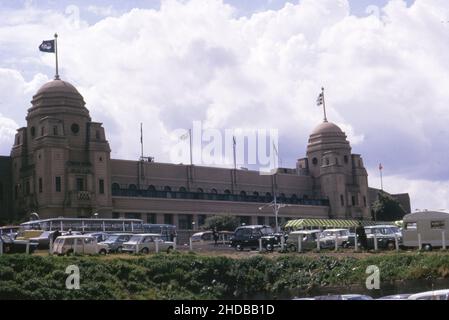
[247,64]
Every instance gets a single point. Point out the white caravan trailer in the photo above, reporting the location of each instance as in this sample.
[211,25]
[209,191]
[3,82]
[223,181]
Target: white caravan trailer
[427,228]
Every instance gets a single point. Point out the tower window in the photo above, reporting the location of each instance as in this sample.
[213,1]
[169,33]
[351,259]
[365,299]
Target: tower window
[342,200]
[27,187]
[97,134]
[79,184]
[58,184]
[101,186]
[327,161]
[55,130]
[75,128]
[345,158]
[315,161]
[40,185]
[42,131]
[33,131]
[18,140]
[364,201]
[353,200]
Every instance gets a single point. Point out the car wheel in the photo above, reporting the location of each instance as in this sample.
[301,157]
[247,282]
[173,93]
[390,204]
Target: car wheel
[239,248]
[427,247]
[144,251]
[269,247]
[169,249]
[391,245]
[103,252]
[69,252]
[119,250]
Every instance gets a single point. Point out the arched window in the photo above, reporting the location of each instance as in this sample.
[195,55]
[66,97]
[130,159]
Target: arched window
[364,201]
[268,196]
[305,197]
[214,191]
[167,188]
[315,161]
[132,187]
[243,194]
[294,198]
[227,191]
[342,200]
[282,196]
[255,193]
[151,188]
[345,159]
[115,186]
[199,190]
[182,189]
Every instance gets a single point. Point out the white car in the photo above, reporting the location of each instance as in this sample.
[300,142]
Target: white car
[431,295]
[78,244]
[328,236]
[146,242]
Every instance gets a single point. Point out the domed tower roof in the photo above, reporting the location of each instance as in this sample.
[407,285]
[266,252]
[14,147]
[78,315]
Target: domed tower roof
[326,127]
[57,87]
[57,96]
[327,136]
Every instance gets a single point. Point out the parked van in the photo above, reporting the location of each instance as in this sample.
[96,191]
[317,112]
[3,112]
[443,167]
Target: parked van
[430,225]
[146,242]
[78,244]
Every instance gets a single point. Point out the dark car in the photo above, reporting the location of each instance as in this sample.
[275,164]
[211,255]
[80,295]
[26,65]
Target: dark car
[43,241]
[16,246]
[248,237]
[386,236]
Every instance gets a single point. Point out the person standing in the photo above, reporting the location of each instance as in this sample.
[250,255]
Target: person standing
[215,236]
[361,235]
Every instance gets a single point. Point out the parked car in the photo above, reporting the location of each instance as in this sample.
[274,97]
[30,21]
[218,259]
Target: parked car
[385,234]
[146,242]
[339,297]
[79,244]
[430,225]
[11,245]
[10,230]
[431,295]
[248,237]
[328,237]
[115,242]
[43,240]
[308,239]
[101,236]
[208,236]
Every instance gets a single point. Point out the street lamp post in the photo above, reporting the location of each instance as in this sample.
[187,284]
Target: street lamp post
[276,206]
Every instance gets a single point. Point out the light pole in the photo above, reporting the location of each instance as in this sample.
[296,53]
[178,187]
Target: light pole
[276,206]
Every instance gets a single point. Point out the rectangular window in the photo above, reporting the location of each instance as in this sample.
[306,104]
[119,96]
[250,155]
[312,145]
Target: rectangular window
[185,222]
[40,185]
[151,218]
[101,186]
[58,184]
[132,215]
[201,219]
[42,131]
[55,130]
[116,215]
[245,220]
[353,200]
[16,192]
[272,221]
[437,225]
[79,184]
[410,226]
[27,187]
[168,218]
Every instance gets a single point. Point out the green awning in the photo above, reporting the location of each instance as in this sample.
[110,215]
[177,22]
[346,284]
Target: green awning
[329,223]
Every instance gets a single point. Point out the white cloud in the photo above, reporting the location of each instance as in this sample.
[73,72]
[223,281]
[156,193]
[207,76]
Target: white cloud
[386,78]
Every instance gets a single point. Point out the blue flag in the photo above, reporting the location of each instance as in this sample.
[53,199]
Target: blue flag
[47,46]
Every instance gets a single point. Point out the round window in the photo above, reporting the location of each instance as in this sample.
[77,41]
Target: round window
[315,161]
[75,128]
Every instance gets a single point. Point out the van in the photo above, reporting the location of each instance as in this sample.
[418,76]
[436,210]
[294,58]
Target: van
[430,225]
[67,245]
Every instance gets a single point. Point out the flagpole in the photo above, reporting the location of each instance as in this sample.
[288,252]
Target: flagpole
[141,141]
[233,149]
[190,138]
[56,53]
[381,178]
[324,105]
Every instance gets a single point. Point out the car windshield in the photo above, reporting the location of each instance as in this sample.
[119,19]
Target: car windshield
[135,239]
[112,238]
[266,231]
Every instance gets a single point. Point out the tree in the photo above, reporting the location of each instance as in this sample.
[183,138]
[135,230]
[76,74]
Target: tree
[386,208]
[222,223]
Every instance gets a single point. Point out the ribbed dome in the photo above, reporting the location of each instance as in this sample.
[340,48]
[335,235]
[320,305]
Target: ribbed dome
[57,86]
[327,127]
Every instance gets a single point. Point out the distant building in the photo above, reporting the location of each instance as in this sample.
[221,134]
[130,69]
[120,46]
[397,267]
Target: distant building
[60,165]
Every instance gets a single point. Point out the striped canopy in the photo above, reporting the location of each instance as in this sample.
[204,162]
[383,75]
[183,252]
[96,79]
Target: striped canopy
[329,223]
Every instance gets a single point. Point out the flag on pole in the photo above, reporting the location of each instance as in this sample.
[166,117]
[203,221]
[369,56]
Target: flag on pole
[184,136]
[380,166]
[233,140]
[320,99]
[47,46]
